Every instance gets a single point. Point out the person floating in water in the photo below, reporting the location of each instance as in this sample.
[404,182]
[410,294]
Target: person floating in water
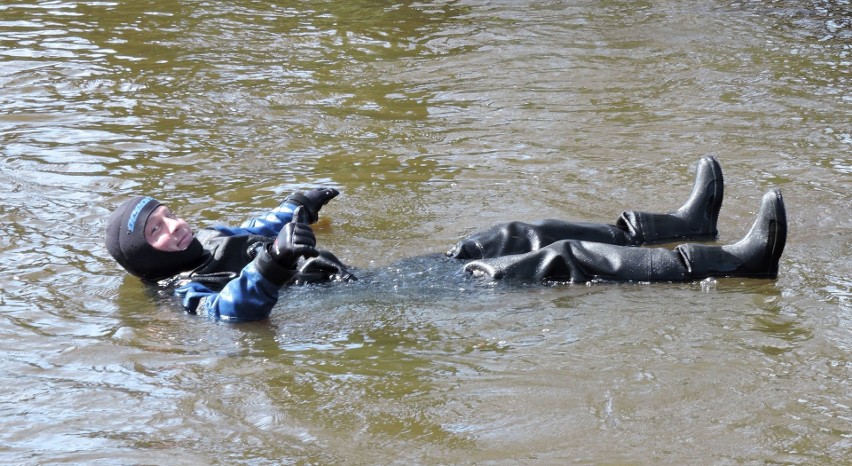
[236,273]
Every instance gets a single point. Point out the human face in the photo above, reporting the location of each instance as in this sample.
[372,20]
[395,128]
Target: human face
[165,231]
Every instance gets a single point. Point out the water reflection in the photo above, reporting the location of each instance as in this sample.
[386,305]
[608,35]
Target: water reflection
[379,377]
[787,331]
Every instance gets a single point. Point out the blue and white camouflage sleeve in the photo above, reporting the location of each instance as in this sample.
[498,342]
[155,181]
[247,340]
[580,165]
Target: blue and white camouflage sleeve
[248,297]
[266,225]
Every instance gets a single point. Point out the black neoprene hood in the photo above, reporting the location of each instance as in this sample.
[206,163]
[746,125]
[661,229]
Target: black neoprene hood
[125,241]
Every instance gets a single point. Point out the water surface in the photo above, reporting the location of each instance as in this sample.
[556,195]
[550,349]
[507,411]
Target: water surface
[435,119]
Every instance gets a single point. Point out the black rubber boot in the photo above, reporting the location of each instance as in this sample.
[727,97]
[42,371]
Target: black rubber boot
[756,255]
[582,261]
[696,220]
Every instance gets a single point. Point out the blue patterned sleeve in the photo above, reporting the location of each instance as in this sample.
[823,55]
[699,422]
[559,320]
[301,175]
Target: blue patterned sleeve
[266,225]
[248,297]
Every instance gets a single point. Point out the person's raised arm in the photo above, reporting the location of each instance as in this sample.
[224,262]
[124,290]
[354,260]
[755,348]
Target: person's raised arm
[272,222]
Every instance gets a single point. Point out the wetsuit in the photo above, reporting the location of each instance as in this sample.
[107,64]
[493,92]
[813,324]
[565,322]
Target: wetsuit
[229,285]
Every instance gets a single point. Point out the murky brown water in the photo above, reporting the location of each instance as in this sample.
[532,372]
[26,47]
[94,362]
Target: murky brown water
[434,119]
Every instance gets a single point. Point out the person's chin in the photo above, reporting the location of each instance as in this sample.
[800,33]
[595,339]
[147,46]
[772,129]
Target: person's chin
[184,242]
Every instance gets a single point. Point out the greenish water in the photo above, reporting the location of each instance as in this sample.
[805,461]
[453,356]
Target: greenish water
[434,119]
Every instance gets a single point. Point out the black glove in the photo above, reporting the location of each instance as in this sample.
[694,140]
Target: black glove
[295,240]
[312,201]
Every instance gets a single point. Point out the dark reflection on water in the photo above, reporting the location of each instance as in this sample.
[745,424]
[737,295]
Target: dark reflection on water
[434,119]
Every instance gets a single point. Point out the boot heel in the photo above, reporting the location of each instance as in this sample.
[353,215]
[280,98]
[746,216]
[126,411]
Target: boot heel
[756,255]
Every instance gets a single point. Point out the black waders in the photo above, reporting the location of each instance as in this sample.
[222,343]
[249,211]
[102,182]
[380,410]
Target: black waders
[756,255]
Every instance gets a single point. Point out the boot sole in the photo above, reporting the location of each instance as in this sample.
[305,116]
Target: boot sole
[777,232]
[718,193]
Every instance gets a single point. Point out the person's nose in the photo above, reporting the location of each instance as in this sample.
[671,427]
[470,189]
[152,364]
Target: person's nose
[172,225]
